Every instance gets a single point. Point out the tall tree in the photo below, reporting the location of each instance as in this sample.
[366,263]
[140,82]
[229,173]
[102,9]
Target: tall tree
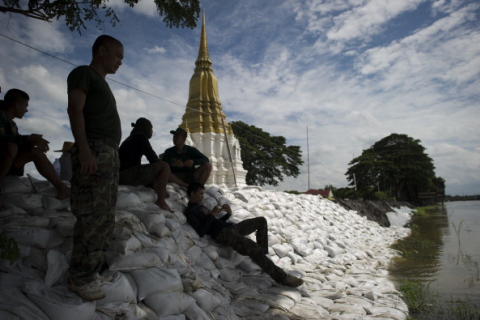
[267,158]
[176,13]
[397,163]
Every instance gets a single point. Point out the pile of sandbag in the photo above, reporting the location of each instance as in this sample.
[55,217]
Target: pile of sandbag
[162,269]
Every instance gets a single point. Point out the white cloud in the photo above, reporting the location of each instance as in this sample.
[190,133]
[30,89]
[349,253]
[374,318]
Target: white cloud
[156,49]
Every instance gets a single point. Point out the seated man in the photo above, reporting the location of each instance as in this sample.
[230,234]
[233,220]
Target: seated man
[132,172]
[233,235]
[182,160]
[16,150]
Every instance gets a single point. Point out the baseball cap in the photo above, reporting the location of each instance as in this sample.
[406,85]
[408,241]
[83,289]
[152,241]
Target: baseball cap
[179,131]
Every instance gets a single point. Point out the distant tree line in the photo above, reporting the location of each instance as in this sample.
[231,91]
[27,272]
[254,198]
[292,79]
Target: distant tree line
[462,198]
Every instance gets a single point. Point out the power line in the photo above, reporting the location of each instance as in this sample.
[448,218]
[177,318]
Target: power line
[141,91]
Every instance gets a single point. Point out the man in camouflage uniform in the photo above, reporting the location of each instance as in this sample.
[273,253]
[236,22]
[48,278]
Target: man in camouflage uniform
[233,235]
[97,131]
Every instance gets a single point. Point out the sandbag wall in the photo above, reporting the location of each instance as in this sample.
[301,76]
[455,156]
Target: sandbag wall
[163,270]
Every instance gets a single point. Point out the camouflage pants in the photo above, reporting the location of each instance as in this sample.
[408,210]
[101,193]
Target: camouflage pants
[234,236]
[93,202]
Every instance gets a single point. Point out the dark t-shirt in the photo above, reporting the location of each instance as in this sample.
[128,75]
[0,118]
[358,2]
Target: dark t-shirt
[189,153]
[133,149]
[100,111]
[204,223]
[9,131]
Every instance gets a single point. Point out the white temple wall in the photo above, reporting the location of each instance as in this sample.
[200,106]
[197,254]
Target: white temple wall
[214,147]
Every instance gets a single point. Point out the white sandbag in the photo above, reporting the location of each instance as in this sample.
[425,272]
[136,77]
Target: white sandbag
[182,240]
[205,262]
[193,253]
[154,280]
[57,267]
[132,282]
[284,262]
[26,201]
[169,303]
[206,299]
[5,315]
[17,304]
[150,314]
[122,231]
[58,302]
[189,232]
[222,200]
[15,184]
[37,237]
[160,230]
[37,259]
[178,205]
[24,221]
[118,291]
[128,200]
[281,249]
[301,247]
[122,310]
[214,192]
[333,251]
[211,252]
[249,266]
[195,312]
[146,240]
[10,210]
[230,274]
[210,203]
[175,317]
[124,216]
[221,263]
[126,246]
[172,224]
[147,195]
[162,253]
[65,225]
[52,203]
[133,261]
[149,219]
[169,244]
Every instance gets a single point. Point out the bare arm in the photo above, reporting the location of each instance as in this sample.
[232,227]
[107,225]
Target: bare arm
[76,103]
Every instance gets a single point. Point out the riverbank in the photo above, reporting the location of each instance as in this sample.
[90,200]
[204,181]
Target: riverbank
[162,269]
[374,210]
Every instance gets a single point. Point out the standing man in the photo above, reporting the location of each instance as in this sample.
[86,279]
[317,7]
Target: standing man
[97,131]
[183,159]
[233,235]
[133,172]
[16,150]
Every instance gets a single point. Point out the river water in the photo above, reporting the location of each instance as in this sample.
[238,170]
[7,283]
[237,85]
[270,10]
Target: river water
[447,254]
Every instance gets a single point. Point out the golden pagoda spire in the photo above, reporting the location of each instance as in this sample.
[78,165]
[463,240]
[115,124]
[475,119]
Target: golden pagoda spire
[204,109]
[203,60]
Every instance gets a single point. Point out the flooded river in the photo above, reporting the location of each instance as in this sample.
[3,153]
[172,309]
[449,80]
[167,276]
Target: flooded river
[445,252]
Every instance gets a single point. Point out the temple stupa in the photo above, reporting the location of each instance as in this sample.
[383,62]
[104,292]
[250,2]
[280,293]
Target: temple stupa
[206,124]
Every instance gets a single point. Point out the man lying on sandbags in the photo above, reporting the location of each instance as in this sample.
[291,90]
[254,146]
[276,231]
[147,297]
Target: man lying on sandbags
[204,222]
[17,150]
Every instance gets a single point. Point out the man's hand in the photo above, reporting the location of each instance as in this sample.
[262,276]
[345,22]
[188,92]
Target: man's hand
[177,163]
[227,208]
[188,163]
[39,142]
[88,162]
[215,210]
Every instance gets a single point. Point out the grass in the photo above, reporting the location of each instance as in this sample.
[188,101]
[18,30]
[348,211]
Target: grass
[423,303]
[422,211]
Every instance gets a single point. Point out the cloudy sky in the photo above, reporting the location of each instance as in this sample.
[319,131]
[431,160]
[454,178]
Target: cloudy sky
[352,71]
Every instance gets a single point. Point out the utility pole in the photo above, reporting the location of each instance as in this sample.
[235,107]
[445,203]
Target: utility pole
[308,162]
